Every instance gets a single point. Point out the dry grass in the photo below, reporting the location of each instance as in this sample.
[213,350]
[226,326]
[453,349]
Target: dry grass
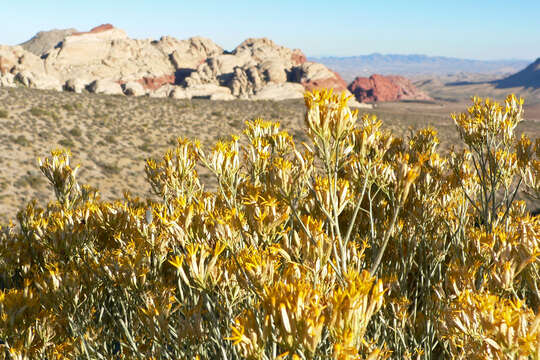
[113,135]
[460,87]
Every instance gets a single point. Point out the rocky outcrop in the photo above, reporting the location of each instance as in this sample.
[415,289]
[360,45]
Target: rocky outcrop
[133,88]
[245,81]
[164,91]
[154,83]
[7,80]
[385,88]
[281,91]
[14,59]
[260,63]
[105,60]
[98,29]
[38,80]
[44,41]
[273,71]
[107,87]
[189,53]
[76,85]
[260,49]
[314,76]
[207,91]
[222,96]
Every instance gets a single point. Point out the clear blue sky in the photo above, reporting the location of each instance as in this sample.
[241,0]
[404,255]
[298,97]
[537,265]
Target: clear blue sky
[479,29]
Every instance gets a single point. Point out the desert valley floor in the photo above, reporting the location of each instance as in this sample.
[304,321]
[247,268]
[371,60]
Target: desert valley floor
[111,136]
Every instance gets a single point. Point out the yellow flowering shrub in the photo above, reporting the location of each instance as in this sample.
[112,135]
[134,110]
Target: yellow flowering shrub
[356,245]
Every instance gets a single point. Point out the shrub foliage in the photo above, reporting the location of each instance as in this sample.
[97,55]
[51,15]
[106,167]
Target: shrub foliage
[357,245]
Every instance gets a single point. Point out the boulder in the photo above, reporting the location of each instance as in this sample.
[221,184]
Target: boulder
[314,76]
[244,82]
[283,91]
[226,63]
[163,91]
[207,91]
[15,59]
[218,70]
[76,85]
[107,53]
[206,73]
[298,57]
[7,80]
[179,93]
[133,88]
[385,88]
[222,96]
[104,86]
[47,82]
[25,78]
[261,49]
[38,80]
[274,70]
[356,104]
[189,53]
[154,83]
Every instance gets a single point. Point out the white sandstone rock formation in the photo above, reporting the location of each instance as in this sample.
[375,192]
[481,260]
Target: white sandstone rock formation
[133,88]
[105,60]
[105,86]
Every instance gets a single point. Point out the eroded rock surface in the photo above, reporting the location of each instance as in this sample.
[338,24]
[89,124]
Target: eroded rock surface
[385,88]
[104,86]
[105,60]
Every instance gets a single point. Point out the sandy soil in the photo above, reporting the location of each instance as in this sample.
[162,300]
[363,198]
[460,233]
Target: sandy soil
[461,87]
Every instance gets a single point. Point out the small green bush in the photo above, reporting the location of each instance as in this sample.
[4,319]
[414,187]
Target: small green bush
[21,140]
[76,131]
[67,143]
[40,112]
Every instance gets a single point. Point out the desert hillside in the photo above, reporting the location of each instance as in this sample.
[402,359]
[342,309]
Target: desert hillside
[111,136]
[528,78]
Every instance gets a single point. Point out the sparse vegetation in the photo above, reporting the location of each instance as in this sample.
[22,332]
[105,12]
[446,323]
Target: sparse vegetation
[135,118]
[361,244]
[32,180]
[110,168]
[76,132]
[67,143]
[72,106]
[36,111]
[3,114]
[21,140]
[110,138]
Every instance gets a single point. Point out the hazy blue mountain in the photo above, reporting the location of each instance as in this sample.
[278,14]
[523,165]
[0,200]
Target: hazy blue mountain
[528,77]
[413,65]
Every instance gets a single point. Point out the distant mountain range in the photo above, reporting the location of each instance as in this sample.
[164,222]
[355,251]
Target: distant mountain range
[416,65]
[528,78]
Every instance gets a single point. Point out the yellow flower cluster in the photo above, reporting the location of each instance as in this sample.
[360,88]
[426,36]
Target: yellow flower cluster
[484,325]
[358,245]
